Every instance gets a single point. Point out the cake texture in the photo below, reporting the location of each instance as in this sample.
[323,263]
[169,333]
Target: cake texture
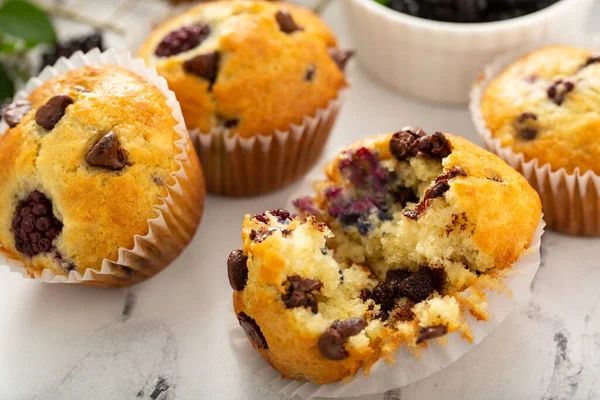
[539,114]
[243,71]
[404,234]
[87,158]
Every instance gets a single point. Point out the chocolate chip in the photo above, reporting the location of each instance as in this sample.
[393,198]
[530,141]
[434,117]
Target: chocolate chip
[411,214]
[431,332]
[204,65]
[452,173]
[286,22]
[438,277]
[263,234]
[34,225]
[310,73]
[414,142]
[559,90]
[281,215]
[50,113]
[231,123]
[418,286]
[300,293]
[593,59]
[526,126]
[331,343]
[182,40]
[437,190]
[237,270]
[252,331]
[107,153]
[14,112]
[340,57]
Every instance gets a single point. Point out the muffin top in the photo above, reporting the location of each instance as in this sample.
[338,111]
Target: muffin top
[248,66]
[404,234]
[83,161]
[547,107]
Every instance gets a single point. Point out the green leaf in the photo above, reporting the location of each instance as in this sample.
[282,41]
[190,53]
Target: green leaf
[26,21]
[383,2]
[7,88]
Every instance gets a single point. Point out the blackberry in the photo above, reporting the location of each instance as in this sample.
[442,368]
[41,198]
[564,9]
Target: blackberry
[467,10]
[67,49]
[34,225]
[182,40]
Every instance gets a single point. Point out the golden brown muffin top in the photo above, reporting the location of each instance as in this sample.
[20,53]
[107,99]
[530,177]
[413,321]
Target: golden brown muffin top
[546,106]
[95,150]
[250,66]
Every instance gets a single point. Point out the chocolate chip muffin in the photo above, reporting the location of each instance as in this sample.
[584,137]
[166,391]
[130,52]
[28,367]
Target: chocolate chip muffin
[90,160]
[257,81]
[540,106]
[400,241]
[539,114]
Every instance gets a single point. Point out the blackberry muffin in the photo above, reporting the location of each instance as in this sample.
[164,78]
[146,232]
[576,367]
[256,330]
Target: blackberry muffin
[400,241]
[90,158]
[258,83]
[543,107]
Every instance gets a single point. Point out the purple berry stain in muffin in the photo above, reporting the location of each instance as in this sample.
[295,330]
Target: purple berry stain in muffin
[34,225]
[181,40]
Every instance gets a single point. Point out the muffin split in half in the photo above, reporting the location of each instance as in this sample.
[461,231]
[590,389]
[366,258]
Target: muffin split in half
[399,242]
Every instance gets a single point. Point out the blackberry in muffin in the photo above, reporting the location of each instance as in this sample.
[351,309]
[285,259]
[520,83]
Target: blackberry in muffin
[399,242]
[88,159]
[245,72]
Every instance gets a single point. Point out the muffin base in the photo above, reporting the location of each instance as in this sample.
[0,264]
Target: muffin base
[177,214]
[240,167]
[570,202]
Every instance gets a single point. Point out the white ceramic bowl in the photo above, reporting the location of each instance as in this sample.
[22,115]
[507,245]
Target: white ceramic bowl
[438,61]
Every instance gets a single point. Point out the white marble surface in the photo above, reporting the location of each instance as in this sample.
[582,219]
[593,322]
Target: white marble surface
[168,338]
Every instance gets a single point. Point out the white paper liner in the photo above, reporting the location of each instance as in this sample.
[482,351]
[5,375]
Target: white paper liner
[147,249]
[263,163]
[407,368]
[571,201]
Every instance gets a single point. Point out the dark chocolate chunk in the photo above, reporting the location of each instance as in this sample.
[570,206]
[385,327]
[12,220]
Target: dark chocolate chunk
[50,113]
[418,286]
[431,332]
[331,343]
[310,73]
[237,270]
[34,225]
[593,59]
[526,126]
[14,112]
[341,57]
[452,173]
[204,65]
[438,277]
[281,215]
[414,142]
[411,214]
[286,22]
[252,331]
[301,293]
[263,234]
[384,294]
[107,153]
[231,123]
[559,90]
[437,190]
[182,40]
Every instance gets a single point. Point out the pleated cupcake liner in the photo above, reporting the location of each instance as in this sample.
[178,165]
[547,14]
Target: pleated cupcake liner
[237,166]
[177,215]
[571,201]
[407,368]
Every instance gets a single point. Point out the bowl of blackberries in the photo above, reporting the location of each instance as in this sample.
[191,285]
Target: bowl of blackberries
[434,49]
